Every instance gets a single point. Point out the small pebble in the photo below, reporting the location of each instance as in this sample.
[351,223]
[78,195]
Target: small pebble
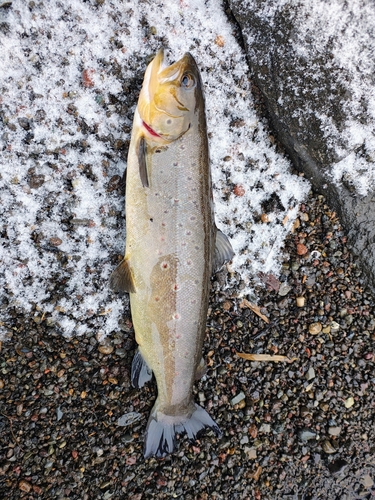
[55,241]
[310,373]
[105,349]
[240,396]
[251,453]
[300,301]
[328,447]
[87,78]
[301,249]
[367,481]
[315,328]
[334,431]
[219,40]
[24,486]
[284,289]
[349,402]
[335,327]
[128,419]
[306,435]
[239,190]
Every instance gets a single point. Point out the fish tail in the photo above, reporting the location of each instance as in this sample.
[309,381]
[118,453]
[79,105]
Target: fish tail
[161,430]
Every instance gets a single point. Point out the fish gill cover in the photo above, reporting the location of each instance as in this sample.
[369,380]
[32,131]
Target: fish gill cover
[70,74]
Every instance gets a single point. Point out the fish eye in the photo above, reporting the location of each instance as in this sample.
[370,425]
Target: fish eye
[187,81]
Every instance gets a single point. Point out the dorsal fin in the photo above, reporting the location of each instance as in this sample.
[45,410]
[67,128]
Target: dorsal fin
[121,279]
[142,161]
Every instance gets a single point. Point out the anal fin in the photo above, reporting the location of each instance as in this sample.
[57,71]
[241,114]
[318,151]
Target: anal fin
[141,373]
[121,279]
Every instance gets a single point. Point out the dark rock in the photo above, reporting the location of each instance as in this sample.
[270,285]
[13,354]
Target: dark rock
[35,181]
[24,123]
[317,90]
[40,115]
[338,466]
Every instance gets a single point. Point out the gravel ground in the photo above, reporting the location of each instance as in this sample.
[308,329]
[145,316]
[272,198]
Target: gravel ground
[303,430]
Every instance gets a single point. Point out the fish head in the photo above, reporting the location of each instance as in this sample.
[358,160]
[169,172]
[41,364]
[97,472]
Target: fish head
[170,96]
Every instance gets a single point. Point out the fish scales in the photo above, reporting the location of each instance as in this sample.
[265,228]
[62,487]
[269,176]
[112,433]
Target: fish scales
[170,246]
[174,259]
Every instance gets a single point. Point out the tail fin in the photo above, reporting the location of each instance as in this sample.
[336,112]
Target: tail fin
[160,439]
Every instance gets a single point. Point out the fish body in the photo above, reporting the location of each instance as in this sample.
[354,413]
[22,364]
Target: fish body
[170,246]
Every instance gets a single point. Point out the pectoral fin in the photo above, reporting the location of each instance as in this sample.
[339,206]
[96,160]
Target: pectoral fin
[121,279]
[223,251]
[142,161]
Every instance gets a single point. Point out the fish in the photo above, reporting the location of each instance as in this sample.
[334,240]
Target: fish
[172,247]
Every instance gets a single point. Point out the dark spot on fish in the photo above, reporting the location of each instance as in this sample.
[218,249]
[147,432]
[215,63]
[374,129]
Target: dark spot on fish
[193,217]
[188,233]
[189,262]
[175,164]
[151,220]
[175,287]
[176,316]
[176,201]
[164,265]
[193,301]
[157,150]
[157,299]
[163,224]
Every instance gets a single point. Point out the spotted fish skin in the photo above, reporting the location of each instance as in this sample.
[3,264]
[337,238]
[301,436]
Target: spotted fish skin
[170,246]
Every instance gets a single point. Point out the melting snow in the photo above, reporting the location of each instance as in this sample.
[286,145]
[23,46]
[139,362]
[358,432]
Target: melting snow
[67,70]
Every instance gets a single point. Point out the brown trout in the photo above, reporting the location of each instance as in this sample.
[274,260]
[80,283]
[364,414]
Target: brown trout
[172,246]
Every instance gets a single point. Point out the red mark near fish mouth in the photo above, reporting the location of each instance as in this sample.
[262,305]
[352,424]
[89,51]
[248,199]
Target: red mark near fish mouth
[150,130]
